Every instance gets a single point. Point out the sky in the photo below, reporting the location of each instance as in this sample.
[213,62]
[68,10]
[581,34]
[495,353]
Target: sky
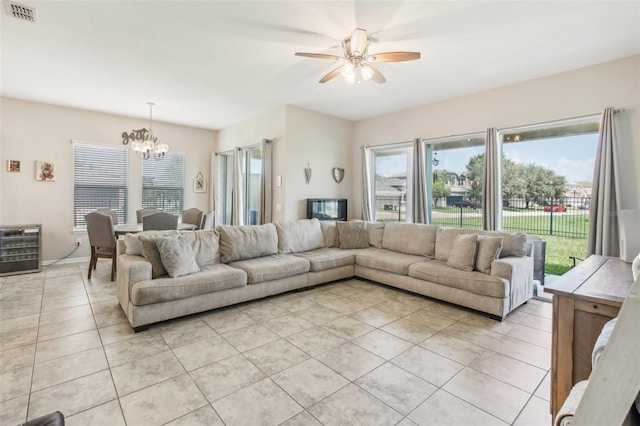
[572,157]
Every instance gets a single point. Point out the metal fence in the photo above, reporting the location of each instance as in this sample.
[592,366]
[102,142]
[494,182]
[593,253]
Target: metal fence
[562,217]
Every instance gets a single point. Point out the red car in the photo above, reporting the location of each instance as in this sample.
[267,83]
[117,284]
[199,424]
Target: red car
[556,208]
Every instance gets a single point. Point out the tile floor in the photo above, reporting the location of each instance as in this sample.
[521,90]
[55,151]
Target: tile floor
[346,353]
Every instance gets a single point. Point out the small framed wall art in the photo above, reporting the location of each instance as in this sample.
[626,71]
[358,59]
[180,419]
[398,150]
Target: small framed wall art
[13,165]
[199,183]
[45,171]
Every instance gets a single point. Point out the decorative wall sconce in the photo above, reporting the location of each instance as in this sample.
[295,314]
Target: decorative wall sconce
[307,173]
[338,174]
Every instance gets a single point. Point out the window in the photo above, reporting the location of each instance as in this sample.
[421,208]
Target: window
[455,187]
[225,176]
[99,181]
[252,176]
[163,183]
[392,172]
[548,168]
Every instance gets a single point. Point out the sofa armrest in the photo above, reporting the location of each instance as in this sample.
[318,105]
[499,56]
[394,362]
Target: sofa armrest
[131,269]
[519,272]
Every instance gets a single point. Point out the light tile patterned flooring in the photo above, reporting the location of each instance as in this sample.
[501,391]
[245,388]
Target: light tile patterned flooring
[346,353]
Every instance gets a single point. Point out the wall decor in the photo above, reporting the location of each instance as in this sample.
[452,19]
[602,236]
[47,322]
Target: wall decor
[13,165]
[45,171]
[338,174]
[307,173]
[199,183]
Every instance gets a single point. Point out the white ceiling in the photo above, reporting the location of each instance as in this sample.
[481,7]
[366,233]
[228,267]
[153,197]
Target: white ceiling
[210,64]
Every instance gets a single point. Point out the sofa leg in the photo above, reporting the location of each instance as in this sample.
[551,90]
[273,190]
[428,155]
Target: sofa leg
[140,328]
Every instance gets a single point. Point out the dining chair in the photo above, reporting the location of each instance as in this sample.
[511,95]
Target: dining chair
[193,216]
[159,221]
[144,212]
[111,213]
[208,220]
[102,240]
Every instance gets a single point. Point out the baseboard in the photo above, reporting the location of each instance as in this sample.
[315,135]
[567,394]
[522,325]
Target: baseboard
[66,261]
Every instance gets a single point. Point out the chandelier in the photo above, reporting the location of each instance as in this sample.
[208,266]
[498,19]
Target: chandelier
[143,142]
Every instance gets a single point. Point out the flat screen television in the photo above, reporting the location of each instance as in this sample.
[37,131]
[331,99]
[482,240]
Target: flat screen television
[327,208]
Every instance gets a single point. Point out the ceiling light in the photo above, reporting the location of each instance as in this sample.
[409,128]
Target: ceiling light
[143,142]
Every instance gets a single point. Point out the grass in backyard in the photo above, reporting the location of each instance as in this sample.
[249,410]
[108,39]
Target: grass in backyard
[559,249]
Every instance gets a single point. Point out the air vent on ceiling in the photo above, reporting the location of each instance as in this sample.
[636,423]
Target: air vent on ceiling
[20,11]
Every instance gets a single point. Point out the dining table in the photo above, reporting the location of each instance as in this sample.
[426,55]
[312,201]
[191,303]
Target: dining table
[132,228]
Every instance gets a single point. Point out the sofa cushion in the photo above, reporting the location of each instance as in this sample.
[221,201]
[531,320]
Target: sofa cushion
[327,258]
[463,252]
[177,256]
[488,250]
[247,242]
[353,234]
[210,279]
[329,233]
[274,267]
[386,260]
[474,282]
[410,238]
[376,232]
[445,238]
[150,250]
[205,245]
[299,235]
[513,243]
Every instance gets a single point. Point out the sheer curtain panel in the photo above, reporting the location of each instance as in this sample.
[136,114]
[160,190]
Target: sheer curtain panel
[367,202]
[266,182]
[419,204]
[491,214]
[603,220]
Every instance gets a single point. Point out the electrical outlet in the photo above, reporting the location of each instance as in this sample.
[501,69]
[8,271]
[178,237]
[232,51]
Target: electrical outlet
[78,242]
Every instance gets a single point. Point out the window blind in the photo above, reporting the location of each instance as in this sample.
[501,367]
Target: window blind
[100,176]
[163,183]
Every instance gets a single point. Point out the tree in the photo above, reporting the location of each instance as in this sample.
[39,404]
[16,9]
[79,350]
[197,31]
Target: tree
[531,183]
[440,190]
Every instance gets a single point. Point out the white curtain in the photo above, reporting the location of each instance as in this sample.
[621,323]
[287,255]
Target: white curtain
[491,214]
[419,193]
[603,220]
[266,182]
[367,198]
[237,197]
[216,187]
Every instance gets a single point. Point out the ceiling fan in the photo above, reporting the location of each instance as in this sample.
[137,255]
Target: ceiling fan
[356,64]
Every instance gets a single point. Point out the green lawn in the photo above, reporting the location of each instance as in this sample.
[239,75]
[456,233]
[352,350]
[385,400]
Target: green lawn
[559,249]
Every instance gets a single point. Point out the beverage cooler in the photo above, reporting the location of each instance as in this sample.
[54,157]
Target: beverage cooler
[20,249]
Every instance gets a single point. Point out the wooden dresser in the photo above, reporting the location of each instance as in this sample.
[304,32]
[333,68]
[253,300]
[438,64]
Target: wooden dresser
[584,299]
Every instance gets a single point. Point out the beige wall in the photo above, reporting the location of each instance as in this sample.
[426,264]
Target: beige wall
[324,142]
[268,125]
[33,131]
[300,137]
[570,94]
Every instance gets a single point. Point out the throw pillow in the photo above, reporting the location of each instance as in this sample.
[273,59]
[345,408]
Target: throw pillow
[353,235]
[177,256]
[151,253]
[463,252]
[132,244]
[488,251]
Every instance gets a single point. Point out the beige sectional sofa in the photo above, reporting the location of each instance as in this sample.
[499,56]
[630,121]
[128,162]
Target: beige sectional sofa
[163,275]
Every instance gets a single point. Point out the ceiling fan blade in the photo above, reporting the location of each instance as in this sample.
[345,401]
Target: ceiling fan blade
[359,42]
[377,75]
[319,56]
[331,75]
[394,57]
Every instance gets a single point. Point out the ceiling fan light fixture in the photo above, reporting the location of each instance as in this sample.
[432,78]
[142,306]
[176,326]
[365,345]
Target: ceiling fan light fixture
[366,72]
